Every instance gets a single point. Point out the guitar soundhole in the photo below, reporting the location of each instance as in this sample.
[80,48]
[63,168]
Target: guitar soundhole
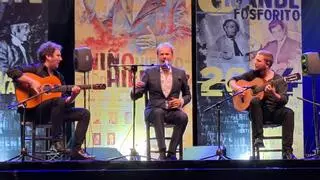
[46,88]
[242,99]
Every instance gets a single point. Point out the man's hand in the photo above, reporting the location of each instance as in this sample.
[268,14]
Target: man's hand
[270,89]
[36,86]
[140,84]
[75,91]
[174,103]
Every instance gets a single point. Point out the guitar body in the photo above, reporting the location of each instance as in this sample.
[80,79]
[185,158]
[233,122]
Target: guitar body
[23,91]
[241,103]
[257,86]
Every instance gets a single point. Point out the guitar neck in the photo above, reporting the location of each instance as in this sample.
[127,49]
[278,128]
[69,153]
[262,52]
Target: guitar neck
[65,88]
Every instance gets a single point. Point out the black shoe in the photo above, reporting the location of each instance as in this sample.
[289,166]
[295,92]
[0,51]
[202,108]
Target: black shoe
[162,156]
[258,142]
[81,155]
[171,157]
[288,156]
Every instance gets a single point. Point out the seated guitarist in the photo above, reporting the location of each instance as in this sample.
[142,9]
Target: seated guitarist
[57,110]
[272,106]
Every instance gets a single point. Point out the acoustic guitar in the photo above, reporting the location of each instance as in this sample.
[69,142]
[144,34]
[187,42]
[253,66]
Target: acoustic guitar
[256,89]
[50,88]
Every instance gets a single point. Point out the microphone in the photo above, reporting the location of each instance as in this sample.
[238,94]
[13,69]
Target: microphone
[166,65]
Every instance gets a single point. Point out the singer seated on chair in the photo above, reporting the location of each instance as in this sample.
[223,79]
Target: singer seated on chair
[164,84]
[58,109]
[271,107]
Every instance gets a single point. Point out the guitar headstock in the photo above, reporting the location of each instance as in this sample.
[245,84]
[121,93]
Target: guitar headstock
[292,77]
[99,86]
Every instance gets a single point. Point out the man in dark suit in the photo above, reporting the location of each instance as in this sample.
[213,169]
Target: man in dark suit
[164,84]
[285,50]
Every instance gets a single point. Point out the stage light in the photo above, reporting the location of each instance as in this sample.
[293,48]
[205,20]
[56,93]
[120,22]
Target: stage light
[310,63]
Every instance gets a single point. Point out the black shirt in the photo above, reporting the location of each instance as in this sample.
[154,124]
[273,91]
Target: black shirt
[37,69]
[269,100]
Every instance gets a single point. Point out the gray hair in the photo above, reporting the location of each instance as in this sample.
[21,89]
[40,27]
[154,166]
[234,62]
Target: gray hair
[165,44]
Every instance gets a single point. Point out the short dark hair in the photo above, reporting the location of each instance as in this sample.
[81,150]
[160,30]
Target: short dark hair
[268,57]
[275,23]
[47,49]
[231,20]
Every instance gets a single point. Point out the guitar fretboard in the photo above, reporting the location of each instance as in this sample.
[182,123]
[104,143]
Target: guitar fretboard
[65,88]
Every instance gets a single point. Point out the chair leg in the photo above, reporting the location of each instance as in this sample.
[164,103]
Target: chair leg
[33,141]
[148,141]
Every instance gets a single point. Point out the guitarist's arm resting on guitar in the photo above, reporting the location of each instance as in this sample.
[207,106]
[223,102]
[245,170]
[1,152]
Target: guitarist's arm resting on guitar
[35,85]
[235,87]
[248,76]
[17,74]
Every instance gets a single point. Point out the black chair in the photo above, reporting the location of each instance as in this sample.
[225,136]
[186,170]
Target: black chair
[256,150]
[150,139]
[38,137]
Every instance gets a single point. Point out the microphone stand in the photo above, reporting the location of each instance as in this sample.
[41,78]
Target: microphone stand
[220,152]
[134,156]
[23,104]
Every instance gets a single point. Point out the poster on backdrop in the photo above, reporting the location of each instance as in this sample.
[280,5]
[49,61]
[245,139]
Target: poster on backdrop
[228,35]
[127,32]
[23,27]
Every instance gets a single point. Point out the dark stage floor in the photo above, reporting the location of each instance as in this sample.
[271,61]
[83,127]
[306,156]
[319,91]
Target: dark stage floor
[164,170]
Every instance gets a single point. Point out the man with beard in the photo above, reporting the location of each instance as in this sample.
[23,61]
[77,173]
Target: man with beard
[272,106]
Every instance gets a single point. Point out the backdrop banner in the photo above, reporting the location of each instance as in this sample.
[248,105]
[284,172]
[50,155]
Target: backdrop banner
[127,32]
[228,35]
[23,27]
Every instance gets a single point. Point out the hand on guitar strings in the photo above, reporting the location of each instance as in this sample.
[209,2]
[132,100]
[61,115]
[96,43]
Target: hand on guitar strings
[75,91]
[270,89]
[36,86]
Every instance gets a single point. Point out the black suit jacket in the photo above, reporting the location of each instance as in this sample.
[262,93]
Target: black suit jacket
[151,78]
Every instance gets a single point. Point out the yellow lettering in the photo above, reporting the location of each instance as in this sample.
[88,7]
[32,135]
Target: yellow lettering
[205,85]
[207,6]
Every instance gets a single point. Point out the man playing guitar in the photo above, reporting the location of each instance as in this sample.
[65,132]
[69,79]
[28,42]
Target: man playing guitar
[57,110]
[271,107]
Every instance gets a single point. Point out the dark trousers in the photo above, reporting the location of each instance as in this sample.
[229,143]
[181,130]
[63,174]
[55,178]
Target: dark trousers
[283,115]
[57,112]
[158,117]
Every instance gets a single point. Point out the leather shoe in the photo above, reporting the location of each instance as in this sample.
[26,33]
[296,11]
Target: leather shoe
[258,142]
[288,156]
[81,155]
[171,157]
[162,156]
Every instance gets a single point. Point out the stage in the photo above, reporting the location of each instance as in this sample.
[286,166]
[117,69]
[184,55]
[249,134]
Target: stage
[210,169]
